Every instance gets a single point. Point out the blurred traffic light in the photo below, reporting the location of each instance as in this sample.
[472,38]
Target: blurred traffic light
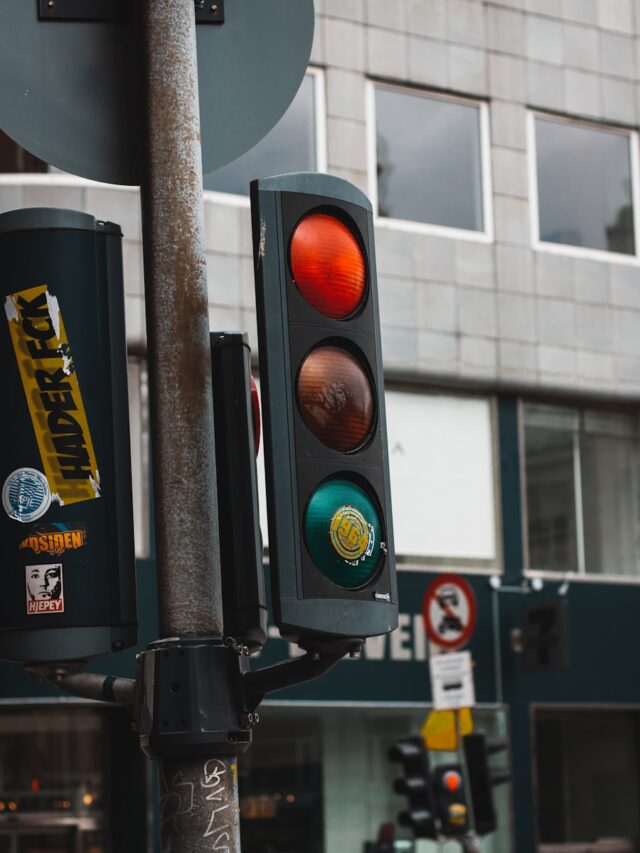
[544,636]
[450,799]
[482,778]
[416,785]
[330,537]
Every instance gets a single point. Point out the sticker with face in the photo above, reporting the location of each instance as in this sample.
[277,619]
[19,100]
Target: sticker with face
[44,588]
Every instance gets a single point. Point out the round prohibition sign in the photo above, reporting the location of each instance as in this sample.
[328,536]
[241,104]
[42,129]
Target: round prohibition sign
[449,611]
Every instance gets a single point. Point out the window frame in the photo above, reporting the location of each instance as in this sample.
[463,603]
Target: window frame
[320,116]
[539,245]
[487,234]
[582,575]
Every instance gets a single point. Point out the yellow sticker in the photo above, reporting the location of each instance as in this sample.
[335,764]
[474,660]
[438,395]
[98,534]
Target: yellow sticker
[53,395]
[440,730]
[349,533]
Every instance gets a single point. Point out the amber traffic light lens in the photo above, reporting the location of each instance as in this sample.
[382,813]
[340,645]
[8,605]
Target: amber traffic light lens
[335,397]
[328,266]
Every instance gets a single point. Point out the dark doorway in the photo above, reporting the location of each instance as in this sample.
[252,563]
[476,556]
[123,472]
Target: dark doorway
[588,778]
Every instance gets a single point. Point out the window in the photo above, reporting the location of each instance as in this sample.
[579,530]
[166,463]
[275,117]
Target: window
[72,780]
[318,780]
[438,173]
[595,755]
[585,185]
[281,786]
[442,478]
[583,508]
[295,144]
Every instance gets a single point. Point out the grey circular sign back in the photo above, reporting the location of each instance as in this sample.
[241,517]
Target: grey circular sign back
[69,91]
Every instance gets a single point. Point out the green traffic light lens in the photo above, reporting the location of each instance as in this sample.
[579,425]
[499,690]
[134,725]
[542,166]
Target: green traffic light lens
[343,531]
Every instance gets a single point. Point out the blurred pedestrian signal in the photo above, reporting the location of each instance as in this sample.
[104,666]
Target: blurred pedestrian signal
[482,778]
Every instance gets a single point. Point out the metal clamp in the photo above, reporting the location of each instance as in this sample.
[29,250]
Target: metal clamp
[189,700]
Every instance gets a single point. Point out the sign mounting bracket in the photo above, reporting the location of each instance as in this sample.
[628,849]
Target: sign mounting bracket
[117,11]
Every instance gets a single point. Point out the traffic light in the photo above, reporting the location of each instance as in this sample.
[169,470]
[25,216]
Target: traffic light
[66,523]
[450,800]
[544,636]
[482,778]
[330,535]
[235,422]
[417,786]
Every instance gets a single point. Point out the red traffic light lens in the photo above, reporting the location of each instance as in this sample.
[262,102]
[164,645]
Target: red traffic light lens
[328,265]
[336,398]
[452,781]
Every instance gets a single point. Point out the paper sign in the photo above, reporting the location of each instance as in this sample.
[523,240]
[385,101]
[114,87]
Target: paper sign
[452,681]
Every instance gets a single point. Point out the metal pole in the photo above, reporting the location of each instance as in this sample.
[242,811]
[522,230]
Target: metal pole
[198,797]
[199,805]
[178,327]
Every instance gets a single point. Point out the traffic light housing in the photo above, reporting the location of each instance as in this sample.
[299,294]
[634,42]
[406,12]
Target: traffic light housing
[66,517]
[482,778]
[243,590]
[330,531]
[416,785]
[450,799]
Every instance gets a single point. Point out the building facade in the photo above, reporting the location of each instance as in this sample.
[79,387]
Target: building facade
[498,142]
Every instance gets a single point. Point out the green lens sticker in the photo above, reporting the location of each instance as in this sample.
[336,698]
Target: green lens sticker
[350,534]
[343,533]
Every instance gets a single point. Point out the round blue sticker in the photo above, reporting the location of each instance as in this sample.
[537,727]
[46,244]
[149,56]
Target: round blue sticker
[26,495]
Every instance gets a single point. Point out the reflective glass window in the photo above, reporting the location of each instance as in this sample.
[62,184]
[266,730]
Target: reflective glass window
[318,780]
[594,755]
[433,173]
[582,472]
[585,195]
[72,780]
[289,147]
[53,787]
[280,785]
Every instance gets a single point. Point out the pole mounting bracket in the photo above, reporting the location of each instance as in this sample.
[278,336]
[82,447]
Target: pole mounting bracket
[189,699]
[117,11]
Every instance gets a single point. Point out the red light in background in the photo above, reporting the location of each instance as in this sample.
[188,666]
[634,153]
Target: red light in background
[35,785]
[452,781]
[328,266]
